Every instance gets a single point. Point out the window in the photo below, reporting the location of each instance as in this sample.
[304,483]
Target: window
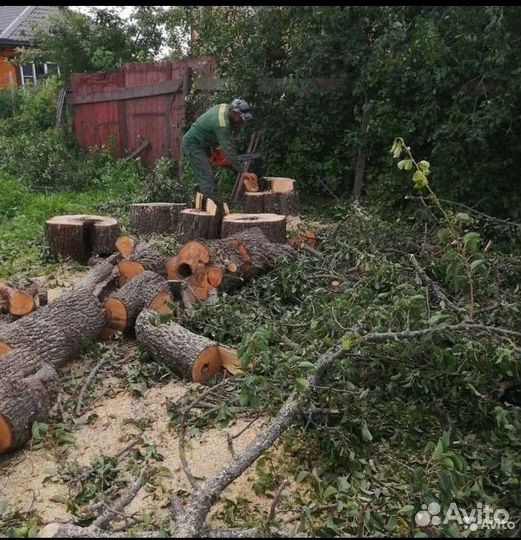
[31,73]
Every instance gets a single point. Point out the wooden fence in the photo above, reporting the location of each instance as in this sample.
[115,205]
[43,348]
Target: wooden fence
[136,104]
[140,108]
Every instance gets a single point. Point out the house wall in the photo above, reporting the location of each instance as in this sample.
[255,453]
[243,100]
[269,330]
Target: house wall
[6,68]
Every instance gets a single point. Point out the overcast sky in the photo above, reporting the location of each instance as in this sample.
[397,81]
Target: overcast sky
[124,11]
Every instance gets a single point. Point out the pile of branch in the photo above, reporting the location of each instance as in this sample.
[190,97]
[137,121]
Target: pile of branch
[226,263]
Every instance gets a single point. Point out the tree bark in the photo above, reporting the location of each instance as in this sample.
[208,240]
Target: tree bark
[272,225]
[144,257]
[155,218]
[283,203]
[361,156]
[79,236]
[122,307]
[189,355]
[197,224]
[27,392]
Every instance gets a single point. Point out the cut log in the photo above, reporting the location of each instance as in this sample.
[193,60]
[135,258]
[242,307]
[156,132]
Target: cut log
[155,218]
[122,307]
[254,203]
[263,253]
[197,224]
[284,203]
[126,245]
[16,302]
[272,225]
[27,392]
[58,331]
[79,236]
[144,257]
[190,356]
[280,184]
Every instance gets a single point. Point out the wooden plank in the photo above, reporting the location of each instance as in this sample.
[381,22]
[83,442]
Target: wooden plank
[148,90]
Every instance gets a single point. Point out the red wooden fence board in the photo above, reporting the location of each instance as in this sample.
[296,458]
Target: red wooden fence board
[128,122]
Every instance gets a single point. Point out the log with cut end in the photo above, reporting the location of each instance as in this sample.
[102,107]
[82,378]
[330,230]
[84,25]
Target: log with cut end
[272,225]
[198,224]
[79,236]
[264,254]
[280,184]
[28,389]
[125,245]
[145,256]
[122,307]
[189,355]
[257,202]
[16,302]
[155,218]
[57,332]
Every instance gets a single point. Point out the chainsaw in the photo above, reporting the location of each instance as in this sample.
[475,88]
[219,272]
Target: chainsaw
[219,158]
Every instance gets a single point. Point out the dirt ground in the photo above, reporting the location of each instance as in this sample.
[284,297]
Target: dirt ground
[28,478]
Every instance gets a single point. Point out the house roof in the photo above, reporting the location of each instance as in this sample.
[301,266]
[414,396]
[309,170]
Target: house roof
[17,22]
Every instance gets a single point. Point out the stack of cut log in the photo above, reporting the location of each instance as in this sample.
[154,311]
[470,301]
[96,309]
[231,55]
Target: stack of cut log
[35,346]
[226,263]
[279,196]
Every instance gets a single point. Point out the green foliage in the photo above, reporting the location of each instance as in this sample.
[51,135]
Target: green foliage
[448,77]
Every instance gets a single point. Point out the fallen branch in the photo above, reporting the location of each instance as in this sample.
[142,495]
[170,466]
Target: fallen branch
[84,388]
[438,291]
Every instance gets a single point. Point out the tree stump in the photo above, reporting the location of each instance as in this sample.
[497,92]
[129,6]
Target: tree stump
[189,355]
[146,290]
[272,225]
[271,202]
[155,218]
[80,236]
[198,224]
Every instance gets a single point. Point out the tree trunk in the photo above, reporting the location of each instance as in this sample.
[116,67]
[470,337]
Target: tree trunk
[272,225]
[361,156]
[27,392]
[122,307]
[197,224]
[286,204]
[255,202]
[189,355]
[144,257]
[157,218]
[59,331]
[79,236]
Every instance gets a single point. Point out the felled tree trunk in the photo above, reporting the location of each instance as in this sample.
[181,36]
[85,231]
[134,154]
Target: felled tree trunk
[272,225]
[144,257]
[198,224]
[58,331]
[189,355]
[79,236]
[122,307]
[158,218]
[28,389]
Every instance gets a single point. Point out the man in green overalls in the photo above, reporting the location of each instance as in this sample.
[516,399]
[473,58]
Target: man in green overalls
[212,129]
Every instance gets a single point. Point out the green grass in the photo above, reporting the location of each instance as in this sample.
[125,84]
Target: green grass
[23,249]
